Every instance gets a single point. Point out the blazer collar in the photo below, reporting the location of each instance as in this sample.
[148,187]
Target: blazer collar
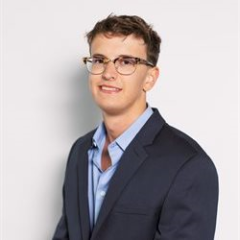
[83,185]
[149,131]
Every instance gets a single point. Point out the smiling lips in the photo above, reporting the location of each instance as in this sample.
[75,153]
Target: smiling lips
[109,89]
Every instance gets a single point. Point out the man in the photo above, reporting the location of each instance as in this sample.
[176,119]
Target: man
[134,177]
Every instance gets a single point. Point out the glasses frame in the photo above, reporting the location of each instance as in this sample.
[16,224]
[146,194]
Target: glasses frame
[107,60]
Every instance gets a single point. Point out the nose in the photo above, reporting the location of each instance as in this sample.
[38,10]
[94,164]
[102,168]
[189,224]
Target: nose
[110,72]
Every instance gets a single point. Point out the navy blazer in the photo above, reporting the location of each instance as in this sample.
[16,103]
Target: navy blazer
[165,188]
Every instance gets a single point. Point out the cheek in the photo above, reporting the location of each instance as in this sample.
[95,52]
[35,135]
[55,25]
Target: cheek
[92,84]
[133,89]
[135,84]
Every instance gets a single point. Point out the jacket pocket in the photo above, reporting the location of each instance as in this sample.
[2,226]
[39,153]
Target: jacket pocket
[121,209]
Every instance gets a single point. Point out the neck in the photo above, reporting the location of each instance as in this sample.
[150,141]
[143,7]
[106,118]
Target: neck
[117,124]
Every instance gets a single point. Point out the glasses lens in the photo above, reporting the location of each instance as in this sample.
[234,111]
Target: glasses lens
[126,65]
[95,65]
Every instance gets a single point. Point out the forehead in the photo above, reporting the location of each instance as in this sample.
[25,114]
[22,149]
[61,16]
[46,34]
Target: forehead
[115,45]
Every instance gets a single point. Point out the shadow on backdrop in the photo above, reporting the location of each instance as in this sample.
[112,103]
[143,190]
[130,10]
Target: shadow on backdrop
[84,115]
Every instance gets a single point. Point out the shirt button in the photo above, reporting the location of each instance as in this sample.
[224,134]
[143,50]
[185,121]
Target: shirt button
[102,193]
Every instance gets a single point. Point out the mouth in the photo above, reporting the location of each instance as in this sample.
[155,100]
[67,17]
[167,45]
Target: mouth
[109,89]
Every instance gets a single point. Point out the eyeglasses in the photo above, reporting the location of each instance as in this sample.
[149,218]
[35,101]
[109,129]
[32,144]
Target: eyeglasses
[124,65]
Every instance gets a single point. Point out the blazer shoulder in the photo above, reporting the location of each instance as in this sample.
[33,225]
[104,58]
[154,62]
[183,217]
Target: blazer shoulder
[181,145]
[166,139]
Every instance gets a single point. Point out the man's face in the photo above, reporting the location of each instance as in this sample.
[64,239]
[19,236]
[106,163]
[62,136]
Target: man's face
[115,93]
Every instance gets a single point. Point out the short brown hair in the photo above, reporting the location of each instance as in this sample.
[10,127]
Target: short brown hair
[126,25]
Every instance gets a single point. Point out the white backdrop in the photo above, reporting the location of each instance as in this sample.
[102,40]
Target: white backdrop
[46,104]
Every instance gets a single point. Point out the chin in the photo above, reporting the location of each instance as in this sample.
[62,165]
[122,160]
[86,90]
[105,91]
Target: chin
[111,109]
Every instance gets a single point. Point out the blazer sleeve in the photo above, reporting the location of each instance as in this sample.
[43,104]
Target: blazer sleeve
[190,208]
[61,232]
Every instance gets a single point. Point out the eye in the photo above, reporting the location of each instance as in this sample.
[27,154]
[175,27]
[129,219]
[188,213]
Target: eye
[126,61]
[97,60]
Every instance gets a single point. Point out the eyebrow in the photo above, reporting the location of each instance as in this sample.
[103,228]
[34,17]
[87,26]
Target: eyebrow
[99,55]
[103,56]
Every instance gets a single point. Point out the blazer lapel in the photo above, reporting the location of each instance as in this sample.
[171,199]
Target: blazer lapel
[83,189]
[129,164]
[131,160]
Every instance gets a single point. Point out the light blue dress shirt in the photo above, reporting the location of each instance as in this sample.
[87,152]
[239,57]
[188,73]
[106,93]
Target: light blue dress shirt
[98,180]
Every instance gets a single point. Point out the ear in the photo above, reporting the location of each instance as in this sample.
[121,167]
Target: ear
[151,79]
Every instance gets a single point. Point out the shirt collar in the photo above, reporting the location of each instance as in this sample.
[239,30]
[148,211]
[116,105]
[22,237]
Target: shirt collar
[126,137]
[99,136]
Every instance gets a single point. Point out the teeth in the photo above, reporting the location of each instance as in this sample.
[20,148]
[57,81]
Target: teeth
[110,88]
